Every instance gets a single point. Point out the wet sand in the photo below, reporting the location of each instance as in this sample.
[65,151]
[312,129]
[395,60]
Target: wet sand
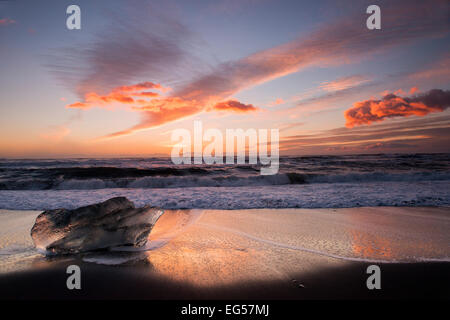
[248,254]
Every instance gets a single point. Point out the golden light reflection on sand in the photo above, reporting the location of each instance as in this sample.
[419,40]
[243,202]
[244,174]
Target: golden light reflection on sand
[223,247]
[205,256]
[202,266]
[394,237]
[370,246]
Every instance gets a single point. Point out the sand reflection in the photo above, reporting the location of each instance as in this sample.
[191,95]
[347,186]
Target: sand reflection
[400,237]
[370,246]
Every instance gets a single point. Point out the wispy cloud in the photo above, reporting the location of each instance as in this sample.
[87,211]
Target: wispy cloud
[344,83]
[6,22]
[231,6]
[130,48]
[438,70]
[289,126]
[415,134]
[317,101]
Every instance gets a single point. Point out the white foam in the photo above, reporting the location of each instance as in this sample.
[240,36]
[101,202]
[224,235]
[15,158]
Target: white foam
[318,195]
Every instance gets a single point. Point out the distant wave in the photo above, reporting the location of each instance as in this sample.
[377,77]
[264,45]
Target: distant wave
[150,173]
[233,181]
[203,178]
[380,176]
[183,182]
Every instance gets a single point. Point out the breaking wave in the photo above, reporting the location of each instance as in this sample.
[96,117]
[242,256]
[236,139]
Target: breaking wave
[213,180]
[141,173]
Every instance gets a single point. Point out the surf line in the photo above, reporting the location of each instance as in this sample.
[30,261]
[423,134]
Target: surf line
[326,254]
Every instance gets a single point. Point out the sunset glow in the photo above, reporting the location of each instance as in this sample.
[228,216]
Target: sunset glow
[120,85]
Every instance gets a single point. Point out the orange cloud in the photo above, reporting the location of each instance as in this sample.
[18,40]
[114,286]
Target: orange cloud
[157,112]
[234,106]
[140,86]
[122,94]
[399,92]
[160,112]
[146,94]
[368,111]
[6,21]
[413,90]
[167,104]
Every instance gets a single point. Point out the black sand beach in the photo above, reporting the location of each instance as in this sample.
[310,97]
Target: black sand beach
[246,254]
[399,281]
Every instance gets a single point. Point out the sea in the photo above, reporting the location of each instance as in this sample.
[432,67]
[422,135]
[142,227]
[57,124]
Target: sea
[301,182]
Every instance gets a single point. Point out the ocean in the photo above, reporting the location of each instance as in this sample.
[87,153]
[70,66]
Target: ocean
[302,182]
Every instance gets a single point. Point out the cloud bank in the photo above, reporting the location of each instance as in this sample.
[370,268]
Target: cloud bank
[120,56]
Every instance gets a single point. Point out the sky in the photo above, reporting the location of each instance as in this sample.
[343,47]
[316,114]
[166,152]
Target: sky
[137,70]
